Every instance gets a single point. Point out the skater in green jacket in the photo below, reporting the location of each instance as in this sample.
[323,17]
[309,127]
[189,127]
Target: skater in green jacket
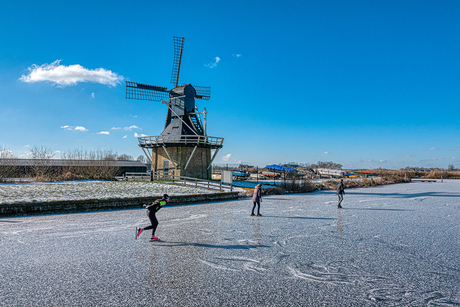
[151,210]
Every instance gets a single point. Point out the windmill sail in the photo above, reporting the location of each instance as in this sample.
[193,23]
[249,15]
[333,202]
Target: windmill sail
[142,91]
[178,48]
[202,92]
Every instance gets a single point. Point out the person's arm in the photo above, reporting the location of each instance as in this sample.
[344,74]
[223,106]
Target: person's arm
[150,206]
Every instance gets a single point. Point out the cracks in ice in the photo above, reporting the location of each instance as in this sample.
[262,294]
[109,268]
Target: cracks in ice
[332,273]
[236,264]
[377,289]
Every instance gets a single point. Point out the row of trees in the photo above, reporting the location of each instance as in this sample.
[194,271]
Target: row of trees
[321,164]
[77,164]
[252,169]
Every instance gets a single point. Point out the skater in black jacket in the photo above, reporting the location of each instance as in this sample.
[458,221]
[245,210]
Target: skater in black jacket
[151,210]
[257,198]
[340,192]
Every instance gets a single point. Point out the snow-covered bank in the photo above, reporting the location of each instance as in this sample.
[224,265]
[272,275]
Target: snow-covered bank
[82,190]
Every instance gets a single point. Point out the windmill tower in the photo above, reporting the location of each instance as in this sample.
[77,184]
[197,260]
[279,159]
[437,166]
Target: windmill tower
[184,146]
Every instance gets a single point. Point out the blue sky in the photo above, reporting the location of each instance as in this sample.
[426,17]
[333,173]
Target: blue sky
[366,84]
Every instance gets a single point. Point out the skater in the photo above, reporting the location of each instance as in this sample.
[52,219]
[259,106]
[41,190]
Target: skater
[257,198]
[340,192]
[151,210]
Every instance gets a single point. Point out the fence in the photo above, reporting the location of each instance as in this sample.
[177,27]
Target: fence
[179,180]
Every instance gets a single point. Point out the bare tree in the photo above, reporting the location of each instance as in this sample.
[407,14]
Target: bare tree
[8,169]
[41,168]
[141,158]
[124,157]
[330,165]
[82,164]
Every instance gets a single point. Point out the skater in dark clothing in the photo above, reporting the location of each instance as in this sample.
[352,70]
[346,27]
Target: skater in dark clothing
[340,192]
[257,198]
[151,210]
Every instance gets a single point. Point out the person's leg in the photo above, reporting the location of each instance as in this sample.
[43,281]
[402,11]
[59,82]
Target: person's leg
[154,225]
[154,222]
[258,209]
[340,200]
[253,208]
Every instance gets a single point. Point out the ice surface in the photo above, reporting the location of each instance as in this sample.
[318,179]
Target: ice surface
[395,245]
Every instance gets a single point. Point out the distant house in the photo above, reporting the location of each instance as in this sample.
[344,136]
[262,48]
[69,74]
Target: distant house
[23,167]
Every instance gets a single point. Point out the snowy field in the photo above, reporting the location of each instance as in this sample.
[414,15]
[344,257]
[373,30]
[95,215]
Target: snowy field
[394,245]
[81,190]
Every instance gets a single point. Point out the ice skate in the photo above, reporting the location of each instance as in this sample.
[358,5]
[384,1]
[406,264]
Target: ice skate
[138,232]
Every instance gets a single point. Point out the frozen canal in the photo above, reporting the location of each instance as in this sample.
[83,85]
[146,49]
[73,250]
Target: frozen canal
[394,245]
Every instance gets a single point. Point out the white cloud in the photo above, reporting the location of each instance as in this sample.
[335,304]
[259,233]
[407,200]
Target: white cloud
[28,155]
[368,160]
[227,157]
[139,135]
[131,127]
[326,153]
[237,55]
[213,64]
[429,160]
[69,75]
[432,148]
[92,95]
[6,154]
[125,136]
[104,132]
[77,128]
[116,128]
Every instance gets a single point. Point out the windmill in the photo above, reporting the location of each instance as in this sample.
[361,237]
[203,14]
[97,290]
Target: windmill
[184,142]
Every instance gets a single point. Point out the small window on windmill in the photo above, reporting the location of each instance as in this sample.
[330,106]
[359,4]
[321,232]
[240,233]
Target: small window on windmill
[166,165]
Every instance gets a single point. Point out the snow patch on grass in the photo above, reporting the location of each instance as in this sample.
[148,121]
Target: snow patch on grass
[81,190]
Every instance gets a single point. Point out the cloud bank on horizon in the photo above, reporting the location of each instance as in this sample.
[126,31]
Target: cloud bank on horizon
[69,75]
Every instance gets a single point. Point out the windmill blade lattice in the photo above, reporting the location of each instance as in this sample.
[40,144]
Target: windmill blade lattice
[178,48]
[202,92]
[142,91]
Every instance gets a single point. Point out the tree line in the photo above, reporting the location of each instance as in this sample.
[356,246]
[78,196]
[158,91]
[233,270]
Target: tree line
[78,164]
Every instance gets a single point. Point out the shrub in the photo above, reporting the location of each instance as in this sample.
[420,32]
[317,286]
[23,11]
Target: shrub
[275,191]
